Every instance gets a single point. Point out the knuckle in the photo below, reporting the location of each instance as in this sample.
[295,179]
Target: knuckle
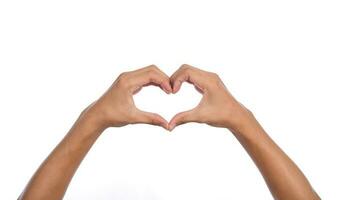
[152,73]
[152,67]
[123,75]
[215,78]
[185,66]
[186,70]
[123,79]
[214,75]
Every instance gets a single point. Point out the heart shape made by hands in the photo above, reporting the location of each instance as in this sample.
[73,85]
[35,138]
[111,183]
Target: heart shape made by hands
[153,99]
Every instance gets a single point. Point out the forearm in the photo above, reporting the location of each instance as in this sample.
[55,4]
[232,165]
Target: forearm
[54,175]
[115,108]
[284,179]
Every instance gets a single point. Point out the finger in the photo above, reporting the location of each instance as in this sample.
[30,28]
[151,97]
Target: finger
[166,85]
[143,117]
[182,118]
[151,75]
[187,73]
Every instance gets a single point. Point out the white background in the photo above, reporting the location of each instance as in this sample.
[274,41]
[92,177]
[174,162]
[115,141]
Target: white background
[277,57]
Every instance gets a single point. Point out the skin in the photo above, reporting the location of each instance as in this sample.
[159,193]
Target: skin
[217,108]
[220,109]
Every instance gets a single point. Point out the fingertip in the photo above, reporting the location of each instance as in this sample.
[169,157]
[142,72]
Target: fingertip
[176,86]
[162,122]
[171,127]
[173,122]
[167,127]
[167,87]
[166,91]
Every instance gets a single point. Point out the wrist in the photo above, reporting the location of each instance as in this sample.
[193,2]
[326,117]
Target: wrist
[92,120]
[246,124]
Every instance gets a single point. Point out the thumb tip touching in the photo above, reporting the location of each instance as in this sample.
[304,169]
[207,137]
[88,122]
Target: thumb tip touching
[158,120]
[171,126]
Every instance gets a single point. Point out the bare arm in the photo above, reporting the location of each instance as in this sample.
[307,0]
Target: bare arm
[115,108]
[52,178]
[219,108]
[284,179]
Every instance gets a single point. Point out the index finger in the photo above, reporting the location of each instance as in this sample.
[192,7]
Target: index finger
[150,75]
[187,73]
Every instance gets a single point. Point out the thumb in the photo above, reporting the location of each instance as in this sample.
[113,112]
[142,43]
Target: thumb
[151,118]
[182,118]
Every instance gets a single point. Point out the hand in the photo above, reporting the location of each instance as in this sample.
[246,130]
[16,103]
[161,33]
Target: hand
[116,107]
[217,106]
